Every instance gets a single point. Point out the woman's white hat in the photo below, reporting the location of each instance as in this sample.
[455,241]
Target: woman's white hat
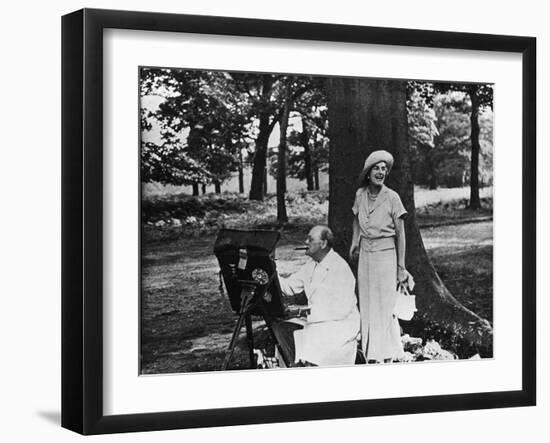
[374,158]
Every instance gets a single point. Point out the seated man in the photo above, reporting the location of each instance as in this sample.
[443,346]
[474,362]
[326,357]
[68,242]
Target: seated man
[329,336]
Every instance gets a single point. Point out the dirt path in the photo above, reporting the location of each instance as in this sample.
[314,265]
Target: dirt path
[458,237]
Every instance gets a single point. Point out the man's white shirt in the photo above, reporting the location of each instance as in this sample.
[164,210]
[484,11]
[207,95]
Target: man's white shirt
[330,334]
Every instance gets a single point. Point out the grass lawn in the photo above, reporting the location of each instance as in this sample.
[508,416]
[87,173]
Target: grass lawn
[182,215]
[186,323]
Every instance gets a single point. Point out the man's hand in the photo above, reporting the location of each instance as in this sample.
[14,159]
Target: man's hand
[354,253]
[297,310]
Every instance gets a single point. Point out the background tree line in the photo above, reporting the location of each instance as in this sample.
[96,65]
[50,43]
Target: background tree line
[215,124]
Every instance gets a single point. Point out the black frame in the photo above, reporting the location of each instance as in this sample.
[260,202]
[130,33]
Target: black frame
[82,215]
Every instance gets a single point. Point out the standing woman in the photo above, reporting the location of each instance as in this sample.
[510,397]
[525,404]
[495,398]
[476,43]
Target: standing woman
[379,239]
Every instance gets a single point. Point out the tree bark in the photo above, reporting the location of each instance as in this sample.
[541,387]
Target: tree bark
[259,164]
[204,189]
[281,161]
[316,178]
[367,115]
[430,165]
[241,172]
[193,141]
[217,187]
[257,186]
[307,156]
[475,202]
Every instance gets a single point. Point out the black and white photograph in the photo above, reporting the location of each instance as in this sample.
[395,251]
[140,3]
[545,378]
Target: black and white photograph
[257,221]
[300,221]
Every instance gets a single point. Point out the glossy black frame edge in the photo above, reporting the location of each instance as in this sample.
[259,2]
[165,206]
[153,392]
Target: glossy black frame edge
[82,359]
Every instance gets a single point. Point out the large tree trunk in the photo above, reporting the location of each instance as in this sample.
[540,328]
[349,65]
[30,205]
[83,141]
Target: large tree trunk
[281,162]
[195,189]
[475,202]
[259,164]
[217,187]
[258,186]
[307,155]
[367,115]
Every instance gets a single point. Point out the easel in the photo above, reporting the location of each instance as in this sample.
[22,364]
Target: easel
[248,292]
[251,297]
[248,272]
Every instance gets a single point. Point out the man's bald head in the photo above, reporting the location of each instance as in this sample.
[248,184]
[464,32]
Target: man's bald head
[324,233]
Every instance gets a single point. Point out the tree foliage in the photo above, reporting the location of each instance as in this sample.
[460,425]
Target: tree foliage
[311,144]
[481,97]
[440,133]
[203,121]
[209,120]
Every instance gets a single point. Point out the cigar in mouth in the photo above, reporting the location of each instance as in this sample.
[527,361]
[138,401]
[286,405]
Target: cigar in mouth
[300,248]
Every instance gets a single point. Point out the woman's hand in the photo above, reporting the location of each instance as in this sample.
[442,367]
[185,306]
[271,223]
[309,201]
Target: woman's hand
[354,252]
[405,277]
[402,275]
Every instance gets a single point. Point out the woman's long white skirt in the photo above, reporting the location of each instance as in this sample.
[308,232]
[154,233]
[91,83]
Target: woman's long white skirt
[377,280]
